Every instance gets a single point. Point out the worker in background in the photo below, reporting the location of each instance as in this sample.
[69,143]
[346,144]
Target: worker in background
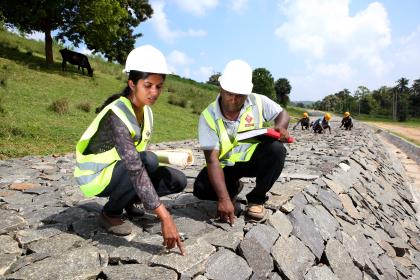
[347,121]
[237,109]
[304,122]
[321,124]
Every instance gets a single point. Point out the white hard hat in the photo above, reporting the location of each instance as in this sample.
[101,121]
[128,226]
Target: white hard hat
[237,77]
[146,59]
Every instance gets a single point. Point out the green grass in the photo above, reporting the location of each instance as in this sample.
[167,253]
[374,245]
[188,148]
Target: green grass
[414,122]
[44,110]
[29,126]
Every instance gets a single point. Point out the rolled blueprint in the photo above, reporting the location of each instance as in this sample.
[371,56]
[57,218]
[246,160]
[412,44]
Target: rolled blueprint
[179,157]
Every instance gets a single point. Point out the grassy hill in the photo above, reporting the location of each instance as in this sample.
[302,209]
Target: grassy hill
[45,110]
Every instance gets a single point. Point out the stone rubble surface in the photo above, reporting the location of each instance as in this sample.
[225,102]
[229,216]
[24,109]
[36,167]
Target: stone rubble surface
[341,209]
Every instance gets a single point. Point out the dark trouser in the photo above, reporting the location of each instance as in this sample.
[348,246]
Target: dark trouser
[265,164]
[120,190]
[348,125]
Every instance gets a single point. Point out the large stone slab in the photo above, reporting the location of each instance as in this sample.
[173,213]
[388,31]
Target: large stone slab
[85,264]
[281,223]
[320,273]
[226,265]
[256,256]
[138,271]
[292,257]
[305,229]
[340,261]
[196,252]
[264,234]
[11,221]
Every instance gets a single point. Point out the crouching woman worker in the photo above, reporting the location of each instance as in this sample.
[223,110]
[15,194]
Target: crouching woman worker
[111,157]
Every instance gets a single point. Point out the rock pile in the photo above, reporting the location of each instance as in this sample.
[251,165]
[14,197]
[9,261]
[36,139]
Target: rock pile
[341,209]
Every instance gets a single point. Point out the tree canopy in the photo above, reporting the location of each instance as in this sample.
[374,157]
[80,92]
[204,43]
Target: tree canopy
[263,82]
[105,26]
[283,88]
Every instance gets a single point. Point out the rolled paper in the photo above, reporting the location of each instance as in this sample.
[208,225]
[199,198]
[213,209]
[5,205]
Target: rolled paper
[179,157]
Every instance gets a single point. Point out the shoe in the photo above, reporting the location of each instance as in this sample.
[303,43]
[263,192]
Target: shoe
[132,211]
[114,225]
[256,212]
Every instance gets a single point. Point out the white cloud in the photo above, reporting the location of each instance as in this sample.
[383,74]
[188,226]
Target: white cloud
[197,7]
[239,5]
[203,74]
[178,63]
[320,28]
[162,26]
[338,48]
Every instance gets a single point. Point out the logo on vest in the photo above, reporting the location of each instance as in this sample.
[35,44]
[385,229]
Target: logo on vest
[249,119]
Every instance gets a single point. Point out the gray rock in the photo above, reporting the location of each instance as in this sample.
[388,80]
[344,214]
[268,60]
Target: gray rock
[225,264]
[257,257]
[340,261]
[11,221]
[292,257]
[197,252]
[85,264]
[324,222]
[264,234]
[30,235]
[281,223]
[320,273]
[8,245]
[56,244]
[222,238]
[329,199]
[305,229]
[138,271]
[6,261]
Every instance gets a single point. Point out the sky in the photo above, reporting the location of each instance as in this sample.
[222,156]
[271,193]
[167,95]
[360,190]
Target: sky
[320,46]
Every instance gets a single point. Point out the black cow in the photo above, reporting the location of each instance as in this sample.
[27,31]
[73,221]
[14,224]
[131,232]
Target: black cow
[76,58]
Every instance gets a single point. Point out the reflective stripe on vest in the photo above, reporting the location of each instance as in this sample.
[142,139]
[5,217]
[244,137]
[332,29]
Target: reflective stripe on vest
[231,152]
[93,172]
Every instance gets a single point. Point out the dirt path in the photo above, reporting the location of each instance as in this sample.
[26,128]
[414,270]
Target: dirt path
[410,133]
[412,170]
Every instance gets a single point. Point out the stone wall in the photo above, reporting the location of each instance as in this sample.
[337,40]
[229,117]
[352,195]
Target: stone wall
[341,209]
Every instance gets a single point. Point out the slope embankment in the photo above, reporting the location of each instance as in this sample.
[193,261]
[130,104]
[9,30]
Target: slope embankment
[341,209]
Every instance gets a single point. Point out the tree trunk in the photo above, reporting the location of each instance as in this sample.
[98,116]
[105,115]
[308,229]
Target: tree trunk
[48,48]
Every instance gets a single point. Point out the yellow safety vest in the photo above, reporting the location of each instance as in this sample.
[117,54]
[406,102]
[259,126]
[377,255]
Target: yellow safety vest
[234,151]
[93,172]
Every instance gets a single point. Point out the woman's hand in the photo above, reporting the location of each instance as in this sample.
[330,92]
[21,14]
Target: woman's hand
[170,233]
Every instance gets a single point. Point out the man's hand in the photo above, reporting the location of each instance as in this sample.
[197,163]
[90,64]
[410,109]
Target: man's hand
[225,210]
[284,134]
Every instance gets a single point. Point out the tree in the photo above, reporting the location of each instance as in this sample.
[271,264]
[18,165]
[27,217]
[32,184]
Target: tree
[214,79]
[104,25]
[283,88]
[401,99]
[415,98]
[359,94]
[263,82]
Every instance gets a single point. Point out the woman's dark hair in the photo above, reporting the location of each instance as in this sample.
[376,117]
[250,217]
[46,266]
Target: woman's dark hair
[135,76]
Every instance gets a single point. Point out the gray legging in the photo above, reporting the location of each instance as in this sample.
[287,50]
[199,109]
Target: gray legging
[120,190]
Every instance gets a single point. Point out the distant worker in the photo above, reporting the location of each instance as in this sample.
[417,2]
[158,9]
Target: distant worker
[237,109]
[347,121]
[304,122]
[321,124]
[111,160]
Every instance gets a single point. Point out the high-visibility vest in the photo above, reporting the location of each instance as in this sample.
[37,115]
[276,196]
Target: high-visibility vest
[236,151]
[93,172]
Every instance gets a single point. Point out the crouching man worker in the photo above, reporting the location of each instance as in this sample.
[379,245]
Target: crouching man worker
[237,109]
[347,121]
[321,124]
[111,160]
[304,122]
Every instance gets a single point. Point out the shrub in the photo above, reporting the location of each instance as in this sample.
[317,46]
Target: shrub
[84,107]
[60,106]
[171,89]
